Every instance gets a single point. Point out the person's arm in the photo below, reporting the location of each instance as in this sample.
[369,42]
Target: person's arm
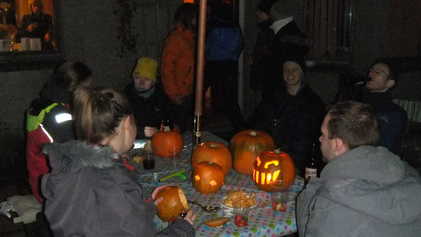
[121,206]
[180,228]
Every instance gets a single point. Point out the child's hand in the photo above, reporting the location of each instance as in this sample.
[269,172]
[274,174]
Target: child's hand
[190,217]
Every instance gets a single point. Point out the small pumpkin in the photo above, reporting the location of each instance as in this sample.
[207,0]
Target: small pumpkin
[273,171]
[173,204]
[167,144]
[246,146]
[207,177]
[215,152]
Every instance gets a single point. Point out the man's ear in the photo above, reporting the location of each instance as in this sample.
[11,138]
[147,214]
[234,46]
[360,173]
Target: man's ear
[340,146]
[126,122]
[390,83]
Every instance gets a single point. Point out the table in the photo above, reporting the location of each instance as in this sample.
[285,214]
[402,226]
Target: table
[262,220]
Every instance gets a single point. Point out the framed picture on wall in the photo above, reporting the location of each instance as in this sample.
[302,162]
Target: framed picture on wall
[29,28]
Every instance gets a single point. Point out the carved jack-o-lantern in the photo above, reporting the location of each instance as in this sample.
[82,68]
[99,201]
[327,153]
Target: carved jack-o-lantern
[173,203]
[246,145]
[207,177]
[273,171]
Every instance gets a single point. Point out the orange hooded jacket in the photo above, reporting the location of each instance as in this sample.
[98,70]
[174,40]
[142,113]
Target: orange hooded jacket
[177,63]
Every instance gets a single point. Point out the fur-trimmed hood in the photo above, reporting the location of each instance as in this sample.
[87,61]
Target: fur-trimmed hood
[74,155]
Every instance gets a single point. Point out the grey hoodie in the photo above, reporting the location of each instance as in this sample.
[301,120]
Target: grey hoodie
[88,193]
[366,192]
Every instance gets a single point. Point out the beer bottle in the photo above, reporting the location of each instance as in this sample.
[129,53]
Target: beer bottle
[311,167]
[165,125]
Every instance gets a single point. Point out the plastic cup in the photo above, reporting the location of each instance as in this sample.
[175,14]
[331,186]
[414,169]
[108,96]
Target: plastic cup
[149,161]
[280,200]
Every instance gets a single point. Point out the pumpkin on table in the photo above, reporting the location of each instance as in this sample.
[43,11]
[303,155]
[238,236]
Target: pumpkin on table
[273,171]
[167,144]
[215,152]
[246,146]
[173,203]
[207,177]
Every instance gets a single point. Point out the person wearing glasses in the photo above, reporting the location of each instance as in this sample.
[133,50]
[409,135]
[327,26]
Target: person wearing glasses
[392,118]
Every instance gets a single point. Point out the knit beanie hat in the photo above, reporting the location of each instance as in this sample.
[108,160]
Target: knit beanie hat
[297,60]
[265,5]
[283,9]
[146,67]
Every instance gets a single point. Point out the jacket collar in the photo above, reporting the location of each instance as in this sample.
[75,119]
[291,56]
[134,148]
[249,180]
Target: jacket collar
[74,155]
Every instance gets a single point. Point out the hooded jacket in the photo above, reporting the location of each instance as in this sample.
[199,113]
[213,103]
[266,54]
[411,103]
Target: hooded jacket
[366,192]
[177,63]
[88,193]
[48,120]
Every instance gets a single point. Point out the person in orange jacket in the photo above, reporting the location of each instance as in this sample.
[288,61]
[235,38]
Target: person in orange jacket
[178,64]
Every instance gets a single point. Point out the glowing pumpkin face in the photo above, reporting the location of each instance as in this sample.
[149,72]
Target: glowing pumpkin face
[273,171]
[207,177]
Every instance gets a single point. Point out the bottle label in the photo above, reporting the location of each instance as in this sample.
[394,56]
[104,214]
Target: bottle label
[310,173]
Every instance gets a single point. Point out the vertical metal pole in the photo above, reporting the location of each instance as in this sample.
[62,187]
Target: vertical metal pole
[241,77]
[200,66]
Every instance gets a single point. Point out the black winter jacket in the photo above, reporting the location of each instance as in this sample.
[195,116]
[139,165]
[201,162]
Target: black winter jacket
[298,119]
[148,111]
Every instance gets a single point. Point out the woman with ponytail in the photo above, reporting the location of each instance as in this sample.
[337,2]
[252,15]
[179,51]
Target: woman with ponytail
[88,192]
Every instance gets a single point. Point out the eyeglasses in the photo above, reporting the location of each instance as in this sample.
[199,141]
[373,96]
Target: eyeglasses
[378,71]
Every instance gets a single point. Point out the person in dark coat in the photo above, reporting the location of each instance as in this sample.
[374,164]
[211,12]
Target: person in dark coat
[392,118]
[224,44]
[262,52]
[150,104]
[292,115]
[88,191]
[288,42]
[49,118]
[36,24]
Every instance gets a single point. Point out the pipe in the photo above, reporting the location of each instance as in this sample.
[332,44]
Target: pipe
[200,65]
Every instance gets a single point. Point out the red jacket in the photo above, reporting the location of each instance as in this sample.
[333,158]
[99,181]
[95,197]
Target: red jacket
[51,124]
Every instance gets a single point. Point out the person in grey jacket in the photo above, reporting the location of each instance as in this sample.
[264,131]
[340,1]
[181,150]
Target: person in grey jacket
[364,190]
[90,193]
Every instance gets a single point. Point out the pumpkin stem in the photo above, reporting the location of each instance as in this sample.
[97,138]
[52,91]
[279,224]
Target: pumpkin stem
[253,133]
[277,151]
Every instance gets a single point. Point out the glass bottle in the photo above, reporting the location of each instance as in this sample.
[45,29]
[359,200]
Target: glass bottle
[311,167]
[276,124]
[165,125]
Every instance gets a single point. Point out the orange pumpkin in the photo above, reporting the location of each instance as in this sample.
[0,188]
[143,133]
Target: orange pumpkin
[215,152]
[246,146]
[167,144]
[273,171]
[207,177]
[173,204]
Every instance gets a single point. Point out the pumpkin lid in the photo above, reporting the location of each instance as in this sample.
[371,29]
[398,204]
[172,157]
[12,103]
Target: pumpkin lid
[183,199]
